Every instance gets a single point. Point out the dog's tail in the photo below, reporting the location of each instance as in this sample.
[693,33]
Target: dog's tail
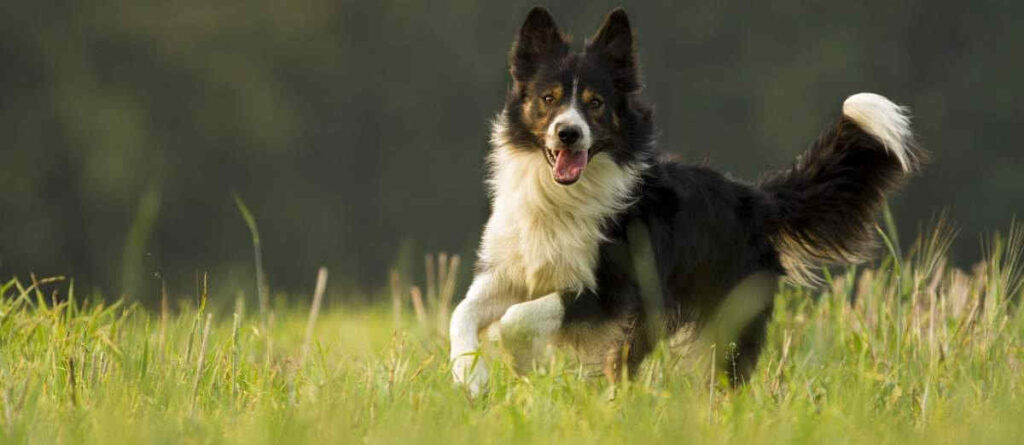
[823,208]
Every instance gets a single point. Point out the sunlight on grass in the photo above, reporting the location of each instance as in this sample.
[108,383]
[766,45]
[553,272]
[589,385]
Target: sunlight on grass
[930,354]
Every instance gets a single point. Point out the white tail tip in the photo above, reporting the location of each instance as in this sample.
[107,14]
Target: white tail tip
[886,121]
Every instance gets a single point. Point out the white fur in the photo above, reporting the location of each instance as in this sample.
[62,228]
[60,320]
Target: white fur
[569,117]
[886,121]
[572,117]
[542,238]
[527,326]
[484,303]
[542,316]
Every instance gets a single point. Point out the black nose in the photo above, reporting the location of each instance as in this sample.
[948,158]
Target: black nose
[569,135]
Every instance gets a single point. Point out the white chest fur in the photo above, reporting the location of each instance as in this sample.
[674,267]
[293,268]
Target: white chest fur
[543,237]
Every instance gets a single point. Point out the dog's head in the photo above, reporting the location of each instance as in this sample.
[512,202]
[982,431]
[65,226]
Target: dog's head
[572,106]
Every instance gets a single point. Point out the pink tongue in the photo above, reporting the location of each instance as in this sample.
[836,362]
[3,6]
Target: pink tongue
[569,165]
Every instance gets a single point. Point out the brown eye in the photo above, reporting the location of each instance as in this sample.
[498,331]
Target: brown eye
[548,98]
[595,103]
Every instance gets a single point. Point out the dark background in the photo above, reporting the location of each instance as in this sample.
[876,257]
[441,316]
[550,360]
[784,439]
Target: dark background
[356,131]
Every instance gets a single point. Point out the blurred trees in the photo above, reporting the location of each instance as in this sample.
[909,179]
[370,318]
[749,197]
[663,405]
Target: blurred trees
[353,128]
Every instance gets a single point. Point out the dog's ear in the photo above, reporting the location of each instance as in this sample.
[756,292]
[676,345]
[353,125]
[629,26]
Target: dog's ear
[613,42]
[539,39]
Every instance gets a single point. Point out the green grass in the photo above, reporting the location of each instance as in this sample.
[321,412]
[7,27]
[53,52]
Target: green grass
[929,354]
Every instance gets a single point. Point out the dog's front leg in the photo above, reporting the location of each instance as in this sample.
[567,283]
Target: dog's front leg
[527,325]
[485,301]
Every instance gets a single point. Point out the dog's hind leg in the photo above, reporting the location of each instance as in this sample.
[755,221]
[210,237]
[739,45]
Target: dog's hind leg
[738,326]
[743,358]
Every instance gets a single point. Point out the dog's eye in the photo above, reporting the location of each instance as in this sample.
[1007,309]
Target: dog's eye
[548,98]
[595,103]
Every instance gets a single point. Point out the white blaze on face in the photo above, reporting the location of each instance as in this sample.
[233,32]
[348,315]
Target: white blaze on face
[571,117]
[568,118]
[568,153]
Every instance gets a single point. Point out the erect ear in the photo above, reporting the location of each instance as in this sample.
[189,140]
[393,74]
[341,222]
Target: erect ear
[538,40]
[613,42]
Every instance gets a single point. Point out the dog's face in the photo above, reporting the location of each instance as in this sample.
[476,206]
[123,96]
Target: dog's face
[571,106]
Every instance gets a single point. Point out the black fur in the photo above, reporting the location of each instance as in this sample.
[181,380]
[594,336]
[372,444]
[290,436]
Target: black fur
[823,207]
[706,232]
[539,41]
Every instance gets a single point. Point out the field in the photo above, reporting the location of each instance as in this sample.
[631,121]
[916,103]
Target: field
[903,351]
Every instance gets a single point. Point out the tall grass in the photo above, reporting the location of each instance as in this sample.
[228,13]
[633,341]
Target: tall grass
[910,350]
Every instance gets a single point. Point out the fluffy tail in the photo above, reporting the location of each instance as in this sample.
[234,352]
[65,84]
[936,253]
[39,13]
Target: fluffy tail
[824,207]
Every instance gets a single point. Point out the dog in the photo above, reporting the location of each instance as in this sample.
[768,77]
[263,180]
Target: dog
[597,241]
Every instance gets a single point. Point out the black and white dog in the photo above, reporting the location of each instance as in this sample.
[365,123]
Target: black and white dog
[596,241]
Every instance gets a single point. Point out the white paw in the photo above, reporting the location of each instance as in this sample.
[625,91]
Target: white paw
[470,372]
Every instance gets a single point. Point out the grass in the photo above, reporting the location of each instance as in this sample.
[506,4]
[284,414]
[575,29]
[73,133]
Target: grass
[909,351]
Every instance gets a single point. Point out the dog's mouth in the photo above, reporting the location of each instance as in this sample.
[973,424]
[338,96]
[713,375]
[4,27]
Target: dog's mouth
[566,165]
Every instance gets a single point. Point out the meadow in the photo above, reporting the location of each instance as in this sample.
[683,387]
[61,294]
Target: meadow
[907,349]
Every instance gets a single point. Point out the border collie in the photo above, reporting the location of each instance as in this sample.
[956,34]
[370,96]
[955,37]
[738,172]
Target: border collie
[597,241]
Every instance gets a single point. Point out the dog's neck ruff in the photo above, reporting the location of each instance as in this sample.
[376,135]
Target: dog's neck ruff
[543,237]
